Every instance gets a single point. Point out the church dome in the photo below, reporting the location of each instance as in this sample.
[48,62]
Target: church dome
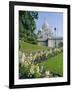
[45,25]
[46,31]
[47,28]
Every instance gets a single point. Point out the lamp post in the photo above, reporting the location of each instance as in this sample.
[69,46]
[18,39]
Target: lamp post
[55,36]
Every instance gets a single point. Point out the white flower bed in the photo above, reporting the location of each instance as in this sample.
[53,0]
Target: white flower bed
[29,63]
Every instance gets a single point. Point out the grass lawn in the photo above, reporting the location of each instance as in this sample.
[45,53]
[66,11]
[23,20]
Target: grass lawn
[31,47]
[54,64]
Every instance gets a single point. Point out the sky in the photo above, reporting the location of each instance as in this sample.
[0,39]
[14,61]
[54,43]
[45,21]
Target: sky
[54,19]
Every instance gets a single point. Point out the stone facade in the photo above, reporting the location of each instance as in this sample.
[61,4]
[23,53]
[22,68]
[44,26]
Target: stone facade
[46,36]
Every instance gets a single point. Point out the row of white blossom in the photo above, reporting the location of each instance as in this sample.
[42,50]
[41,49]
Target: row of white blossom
[38,55]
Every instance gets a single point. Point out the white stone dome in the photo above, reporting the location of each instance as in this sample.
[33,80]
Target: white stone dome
[45,25]
[47,28]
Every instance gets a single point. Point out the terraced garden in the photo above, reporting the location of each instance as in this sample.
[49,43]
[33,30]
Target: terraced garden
[39,61]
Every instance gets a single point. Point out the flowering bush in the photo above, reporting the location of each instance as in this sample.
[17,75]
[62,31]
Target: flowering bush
[28,63]
[33,71]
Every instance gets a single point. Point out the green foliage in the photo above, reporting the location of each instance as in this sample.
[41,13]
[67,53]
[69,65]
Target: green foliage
[23,71]
[27,26]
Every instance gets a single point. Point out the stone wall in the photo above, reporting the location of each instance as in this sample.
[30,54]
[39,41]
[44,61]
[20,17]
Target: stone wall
[51,42]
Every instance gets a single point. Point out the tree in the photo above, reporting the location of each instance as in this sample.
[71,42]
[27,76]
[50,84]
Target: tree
[27,26]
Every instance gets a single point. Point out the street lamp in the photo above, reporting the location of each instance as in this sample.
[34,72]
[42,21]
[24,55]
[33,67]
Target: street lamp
[55,36]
